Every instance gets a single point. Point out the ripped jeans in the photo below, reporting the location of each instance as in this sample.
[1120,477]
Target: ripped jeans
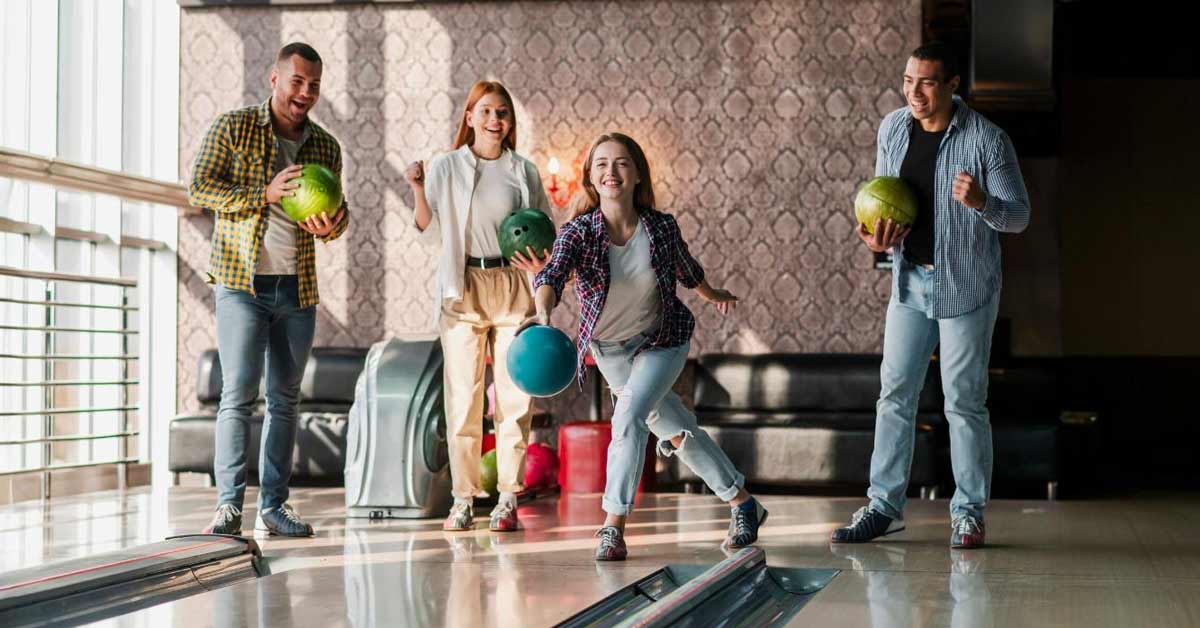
[644,403]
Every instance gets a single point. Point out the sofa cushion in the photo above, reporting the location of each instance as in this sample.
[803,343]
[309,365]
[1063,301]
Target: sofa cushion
[329,376]
[810,418]
[783,382]
[331,373]
[1025,451]
[789,456]
[318,456]
[208,378]
[1028,387]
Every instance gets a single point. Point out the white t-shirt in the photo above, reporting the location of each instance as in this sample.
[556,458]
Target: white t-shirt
[497,192]
[277,253]
[633,304]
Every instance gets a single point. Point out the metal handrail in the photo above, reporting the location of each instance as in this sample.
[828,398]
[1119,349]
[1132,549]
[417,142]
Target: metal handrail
[143,243]
[81,330]
[45,322]
[66,411]
[61,173]
[68,438]
[68,382]
[8,225]
[63,356]
[130,308]
[50,276]
[59,467]
[81,235]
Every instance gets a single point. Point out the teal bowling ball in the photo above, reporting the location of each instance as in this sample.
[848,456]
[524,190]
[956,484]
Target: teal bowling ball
[542,361]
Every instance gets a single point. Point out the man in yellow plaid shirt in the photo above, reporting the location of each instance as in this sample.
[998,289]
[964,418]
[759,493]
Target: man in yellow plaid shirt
[264,265]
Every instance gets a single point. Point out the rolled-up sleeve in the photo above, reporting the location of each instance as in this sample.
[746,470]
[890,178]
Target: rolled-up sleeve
[211,187]
[1007,206]
[687,270]
[563,259]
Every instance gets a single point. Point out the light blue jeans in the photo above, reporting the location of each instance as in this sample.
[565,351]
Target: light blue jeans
[910,335]
[644,403]
[267,329]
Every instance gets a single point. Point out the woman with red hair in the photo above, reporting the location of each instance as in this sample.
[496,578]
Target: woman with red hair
[481,297]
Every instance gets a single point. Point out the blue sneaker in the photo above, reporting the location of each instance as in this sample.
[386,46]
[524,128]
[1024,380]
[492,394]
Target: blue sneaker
[744,521]
[283,521]
[867,525]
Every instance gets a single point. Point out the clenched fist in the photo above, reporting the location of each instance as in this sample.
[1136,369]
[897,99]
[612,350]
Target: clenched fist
[968,192]
[415,175]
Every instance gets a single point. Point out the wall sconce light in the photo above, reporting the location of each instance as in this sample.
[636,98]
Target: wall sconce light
[558,194]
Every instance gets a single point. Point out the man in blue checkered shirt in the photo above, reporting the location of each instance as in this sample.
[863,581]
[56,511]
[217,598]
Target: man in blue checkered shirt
[945,289]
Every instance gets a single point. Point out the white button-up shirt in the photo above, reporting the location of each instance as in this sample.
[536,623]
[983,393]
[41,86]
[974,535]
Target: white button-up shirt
[450,180]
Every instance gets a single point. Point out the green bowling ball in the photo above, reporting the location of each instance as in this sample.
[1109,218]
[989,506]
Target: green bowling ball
[882,198]
[525,227]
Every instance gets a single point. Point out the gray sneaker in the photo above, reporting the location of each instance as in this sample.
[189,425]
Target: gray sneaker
[462,517]
[504,518]
[227,520]
[966,532]
[612,544]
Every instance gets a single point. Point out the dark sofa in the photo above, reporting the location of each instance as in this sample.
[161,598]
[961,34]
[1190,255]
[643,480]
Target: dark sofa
[326,394]
[803,419]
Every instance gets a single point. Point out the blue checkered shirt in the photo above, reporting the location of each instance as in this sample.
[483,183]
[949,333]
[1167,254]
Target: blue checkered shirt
[967,244]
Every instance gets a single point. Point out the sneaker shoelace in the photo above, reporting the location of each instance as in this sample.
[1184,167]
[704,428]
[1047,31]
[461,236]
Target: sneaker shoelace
[741,522]
[609,537]
[227,512]
[291,515]
[966,526]
[460,511]
[858,516]
[503,510]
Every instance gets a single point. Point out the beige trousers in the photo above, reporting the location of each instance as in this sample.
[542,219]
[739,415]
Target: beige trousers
[495,302]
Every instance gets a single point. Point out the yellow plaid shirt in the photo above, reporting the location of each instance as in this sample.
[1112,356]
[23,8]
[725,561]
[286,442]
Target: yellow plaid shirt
[230,177]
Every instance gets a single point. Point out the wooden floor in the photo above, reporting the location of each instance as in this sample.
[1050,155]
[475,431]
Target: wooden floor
[1130,562]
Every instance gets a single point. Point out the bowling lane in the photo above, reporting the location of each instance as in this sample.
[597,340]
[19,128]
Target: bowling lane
[1101,562]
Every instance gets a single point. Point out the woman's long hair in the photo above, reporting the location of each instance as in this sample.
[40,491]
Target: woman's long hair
[466,135]
[643,192]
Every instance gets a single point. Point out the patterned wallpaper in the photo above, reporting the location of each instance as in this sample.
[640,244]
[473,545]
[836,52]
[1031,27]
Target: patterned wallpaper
[758,118]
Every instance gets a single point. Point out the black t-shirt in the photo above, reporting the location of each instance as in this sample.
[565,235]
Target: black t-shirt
[917,171]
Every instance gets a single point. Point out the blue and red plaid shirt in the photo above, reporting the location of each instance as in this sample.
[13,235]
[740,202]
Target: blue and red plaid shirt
[582,247]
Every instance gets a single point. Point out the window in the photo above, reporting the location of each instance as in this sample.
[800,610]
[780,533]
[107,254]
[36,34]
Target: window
[89,99]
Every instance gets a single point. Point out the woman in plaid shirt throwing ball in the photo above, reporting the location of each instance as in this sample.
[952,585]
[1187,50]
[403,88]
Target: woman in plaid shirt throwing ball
[627,257]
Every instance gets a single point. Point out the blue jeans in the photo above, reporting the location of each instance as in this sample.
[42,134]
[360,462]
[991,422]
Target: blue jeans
[644,404]
[267,329]
[910,335]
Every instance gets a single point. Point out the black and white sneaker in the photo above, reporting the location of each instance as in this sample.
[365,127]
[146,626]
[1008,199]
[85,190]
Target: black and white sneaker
[744,521]
[867,525]
[227,520]
[283,521]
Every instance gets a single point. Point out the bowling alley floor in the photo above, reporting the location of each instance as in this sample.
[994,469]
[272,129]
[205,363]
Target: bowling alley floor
[1127,562]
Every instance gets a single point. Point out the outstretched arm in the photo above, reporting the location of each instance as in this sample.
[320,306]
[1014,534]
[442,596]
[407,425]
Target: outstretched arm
[691,274]
[723,300]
